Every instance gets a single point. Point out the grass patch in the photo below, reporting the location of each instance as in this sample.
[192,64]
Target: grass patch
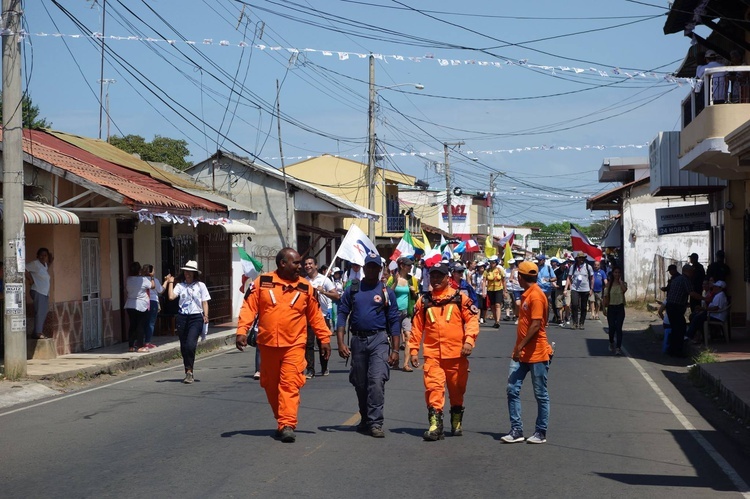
[705,356]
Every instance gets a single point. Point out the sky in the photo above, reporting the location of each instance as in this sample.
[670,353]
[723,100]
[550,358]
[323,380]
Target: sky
[538,92]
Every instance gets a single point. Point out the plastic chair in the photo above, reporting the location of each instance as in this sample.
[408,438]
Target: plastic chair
[724,326]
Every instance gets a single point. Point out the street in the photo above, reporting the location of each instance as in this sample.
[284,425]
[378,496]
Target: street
[618,427]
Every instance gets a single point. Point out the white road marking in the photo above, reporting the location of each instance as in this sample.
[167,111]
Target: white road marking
[727,468]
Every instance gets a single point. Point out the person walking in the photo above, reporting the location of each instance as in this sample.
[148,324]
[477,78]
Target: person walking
[284,304]
[531,354]
[680,287]
[406,289]
[581,284]
[613,303]
[192,314]
[374,318]
[153,308]
[600,282]
[445,322]
[495,279]
[480,287]
[37,276]
[136,305]
[326,292]
[547,281]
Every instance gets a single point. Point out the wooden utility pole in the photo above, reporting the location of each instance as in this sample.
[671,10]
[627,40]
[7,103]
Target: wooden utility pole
[371,152]
[14,239]
[448,183]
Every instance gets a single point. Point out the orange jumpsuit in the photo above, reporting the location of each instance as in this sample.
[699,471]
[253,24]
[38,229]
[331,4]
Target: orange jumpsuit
[445,329]
[284,309]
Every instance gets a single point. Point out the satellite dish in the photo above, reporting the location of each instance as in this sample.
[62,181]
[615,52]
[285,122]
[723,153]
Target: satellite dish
[457,191]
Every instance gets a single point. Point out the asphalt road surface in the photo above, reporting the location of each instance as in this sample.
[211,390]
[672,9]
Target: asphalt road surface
[619,427]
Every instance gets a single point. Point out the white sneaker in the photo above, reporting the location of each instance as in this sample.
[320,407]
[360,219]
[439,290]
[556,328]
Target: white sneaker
[256,375]
[481,321]
[537,438]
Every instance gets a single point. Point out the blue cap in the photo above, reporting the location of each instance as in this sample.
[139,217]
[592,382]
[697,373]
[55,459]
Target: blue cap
[373,257]
[541,256]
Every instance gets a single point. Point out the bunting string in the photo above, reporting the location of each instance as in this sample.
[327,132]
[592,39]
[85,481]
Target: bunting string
[342,55]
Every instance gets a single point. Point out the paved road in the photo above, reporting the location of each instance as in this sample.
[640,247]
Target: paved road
[611,434]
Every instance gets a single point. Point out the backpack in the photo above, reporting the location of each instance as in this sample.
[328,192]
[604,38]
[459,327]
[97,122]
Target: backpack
[428,302]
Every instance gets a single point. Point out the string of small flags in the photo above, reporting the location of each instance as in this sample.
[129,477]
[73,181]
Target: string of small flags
[342,55]
[146,216]
[489,152]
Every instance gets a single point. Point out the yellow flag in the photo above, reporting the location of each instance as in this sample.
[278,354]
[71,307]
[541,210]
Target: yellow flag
[489,248]
[559,254]
[507,256]
[427,246]
[417,243]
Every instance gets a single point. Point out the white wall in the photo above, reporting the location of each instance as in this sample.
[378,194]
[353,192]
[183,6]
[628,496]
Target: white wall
[639,252]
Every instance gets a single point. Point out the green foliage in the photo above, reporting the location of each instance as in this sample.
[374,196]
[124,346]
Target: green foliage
[159,150]
[30,114]
[557,235]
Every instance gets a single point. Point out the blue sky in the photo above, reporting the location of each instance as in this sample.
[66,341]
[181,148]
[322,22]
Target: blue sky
[216,95]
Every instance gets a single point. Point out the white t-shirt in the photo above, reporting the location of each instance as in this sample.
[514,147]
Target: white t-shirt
[40,275]
[153,294]
[323,300]
[719,301]
[580,277]
[136,287]
[191,297]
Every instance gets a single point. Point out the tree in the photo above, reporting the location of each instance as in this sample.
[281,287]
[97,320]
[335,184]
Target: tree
[30,114]
[159,150]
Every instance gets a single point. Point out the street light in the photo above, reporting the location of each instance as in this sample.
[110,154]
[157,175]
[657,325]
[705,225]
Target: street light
[371,142]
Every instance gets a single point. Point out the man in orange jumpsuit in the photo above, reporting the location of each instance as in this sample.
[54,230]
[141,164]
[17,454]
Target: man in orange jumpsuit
[285,304]
[448,321]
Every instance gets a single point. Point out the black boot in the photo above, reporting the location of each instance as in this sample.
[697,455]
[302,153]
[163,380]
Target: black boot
[457,415]
[435,431]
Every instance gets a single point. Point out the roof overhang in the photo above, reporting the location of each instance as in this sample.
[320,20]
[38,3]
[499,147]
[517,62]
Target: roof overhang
[234,227]
[612,199]
[44,214]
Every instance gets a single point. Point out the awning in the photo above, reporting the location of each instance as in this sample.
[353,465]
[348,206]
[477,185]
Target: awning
[613,235]
[237,228]
[38,213]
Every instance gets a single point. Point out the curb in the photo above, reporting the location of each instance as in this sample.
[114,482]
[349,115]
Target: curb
[735,405]
[120,365]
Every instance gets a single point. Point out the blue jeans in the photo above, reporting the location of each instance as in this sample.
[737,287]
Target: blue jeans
[516,375]
[189,327]
[153,312]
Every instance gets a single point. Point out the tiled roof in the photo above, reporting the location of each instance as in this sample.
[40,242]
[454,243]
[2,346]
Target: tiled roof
[138,189]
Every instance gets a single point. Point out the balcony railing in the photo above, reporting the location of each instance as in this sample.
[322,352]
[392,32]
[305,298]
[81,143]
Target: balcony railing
[400,223]
[718,86]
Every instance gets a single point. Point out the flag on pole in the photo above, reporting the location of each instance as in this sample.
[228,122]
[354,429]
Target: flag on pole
[355,246]
[507,256]
[489,248]
[251,267]
[507,239]
[460,248]
[405,247]
[427,246]
[559,253]
[431,257]
[447,253]
[443,242]
[580,242]
[417,243]
[472,245]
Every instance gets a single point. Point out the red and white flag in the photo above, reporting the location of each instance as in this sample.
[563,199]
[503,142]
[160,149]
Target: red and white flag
[472,245]
[580,242]
[432,257]
[507,239]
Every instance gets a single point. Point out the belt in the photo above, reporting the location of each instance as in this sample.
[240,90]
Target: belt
[363,334]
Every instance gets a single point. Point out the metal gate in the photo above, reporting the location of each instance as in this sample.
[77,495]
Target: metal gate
[90,289]
[215,263]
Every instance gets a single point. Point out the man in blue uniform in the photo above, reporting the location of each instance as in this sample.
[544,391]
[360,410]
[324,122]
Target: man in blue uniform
[373,315]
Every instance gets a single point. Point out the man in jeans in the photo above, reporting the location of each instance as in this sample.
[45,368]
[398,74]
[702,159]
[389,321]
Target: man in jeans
[532,353]
[326,292]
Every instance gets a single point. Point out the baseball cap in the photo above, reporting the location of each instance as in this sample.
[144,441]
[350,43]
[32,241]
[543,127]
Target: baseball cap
[720,284]
[528,268]
[373,257]
[440,267]
[458,267]
[335,269]
[710,54]
[405,260]
[541,256]
[554,259]
[694,255]
[493,258]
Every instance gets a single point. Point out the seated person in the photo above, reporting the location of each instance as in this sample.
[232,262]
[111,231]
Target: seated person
[719,302]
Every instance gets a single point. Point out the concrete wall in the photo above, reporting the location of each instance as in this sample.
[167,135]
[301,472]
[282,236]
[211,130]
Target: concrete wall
[639,252]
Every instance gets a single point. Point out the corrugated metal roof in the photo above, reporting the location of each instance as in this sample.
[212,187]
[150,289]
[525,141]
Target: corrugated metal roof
[137,189]
[110,153]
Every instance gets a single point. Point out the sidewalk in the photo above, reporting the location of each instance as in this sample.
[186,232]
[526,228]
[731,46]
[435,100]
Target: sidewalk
[108,360]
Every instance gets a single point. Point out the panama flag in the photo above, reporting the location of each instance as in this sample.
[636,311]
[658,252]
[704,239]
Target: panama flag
[405,247]
[355,246]
[580,242]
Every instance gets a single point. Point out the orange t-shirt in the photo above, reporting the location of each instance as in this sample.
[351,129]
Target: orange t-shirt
[445,328]
[285,308]
[533,306]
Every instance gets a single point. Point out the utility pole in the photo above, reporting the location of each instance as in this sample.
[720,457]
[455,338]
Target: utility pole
[101,70]
[448,183]
[491,214]
[281,155]
[371,151]
[14,240]
[108,82]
